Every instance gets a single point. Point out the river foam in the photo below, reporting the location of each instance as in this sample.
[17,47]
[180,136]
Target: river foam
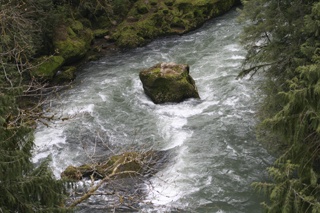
[215,153]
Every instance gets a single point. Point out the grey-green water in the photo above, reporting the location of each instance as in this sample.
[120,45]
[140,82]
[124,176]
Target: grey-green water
[216,156]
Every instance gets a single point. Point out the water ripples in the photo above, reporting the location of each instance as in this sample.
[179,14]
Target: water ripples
[216,155]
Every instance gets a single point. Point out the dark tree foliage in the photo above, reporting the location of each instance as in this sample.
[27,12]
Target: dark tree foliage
[283,42]
[23,187]
[95,8]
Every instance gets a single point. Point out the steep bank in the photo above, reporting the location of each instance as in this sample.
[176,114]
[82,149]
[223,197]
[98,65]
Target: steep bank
[87,33]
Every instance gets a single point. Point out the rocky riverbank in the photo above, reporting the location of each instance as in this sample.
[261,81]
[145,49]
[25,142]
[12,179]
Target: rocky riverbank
[83,37]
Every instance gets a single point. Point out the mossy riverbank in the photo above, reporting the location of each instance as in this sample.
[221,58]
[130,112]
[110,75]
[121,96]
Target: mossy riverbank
[82,37]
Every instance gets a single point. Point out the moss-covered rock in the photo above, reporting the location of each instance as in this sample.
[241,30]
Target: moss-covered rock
[150,19]
[128,37]
[66,74]
[72,40]
[46,67]
[71,49]
[168,82]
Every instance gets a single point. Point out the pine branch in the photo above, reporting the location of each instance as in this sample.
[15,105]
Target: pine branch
[252,70]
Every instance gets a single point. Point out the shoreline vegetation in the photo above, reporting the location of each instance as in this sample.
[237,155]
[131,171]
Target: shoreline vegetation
[88,32]
[283,44]
[69,32]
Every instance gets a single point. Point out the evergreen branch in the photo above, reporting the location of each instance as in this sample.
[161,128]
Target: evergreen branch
[253,70]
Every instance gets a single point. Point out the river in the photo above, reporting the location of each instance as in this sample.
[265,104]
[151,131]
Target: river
[215,155]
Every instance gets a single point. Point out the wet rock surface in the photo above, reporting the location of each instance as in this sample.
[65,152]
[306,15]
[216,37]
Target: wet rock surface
[168,82]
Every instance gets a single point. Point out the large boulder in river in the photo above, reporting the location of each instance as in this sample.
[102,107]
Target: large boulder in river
[168,82]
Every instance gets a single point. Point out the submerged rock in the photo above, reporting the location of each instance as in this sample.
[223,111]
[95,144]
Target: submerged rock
[168,82]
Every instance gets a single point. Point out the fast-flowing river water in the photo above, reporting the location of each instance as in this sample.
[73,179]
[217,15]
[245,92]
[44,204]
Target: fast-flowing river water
[214,153]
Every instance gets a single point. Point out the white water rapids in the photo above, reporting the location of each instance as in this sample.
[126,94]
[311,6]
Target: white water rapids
[215,153]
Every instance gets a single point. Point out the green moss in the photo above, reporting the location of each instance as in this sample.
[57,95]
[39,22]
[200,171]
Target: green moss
[71,32]
[178,23]
[71,173]
[165,17]
[153,2]
[184,6]
[46,67]
[189,15]
[72,42]
[147,29]
[76,26]
[173,84]
[66,75]
[128,37]
[100,33]
[142,8]
[71,49]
